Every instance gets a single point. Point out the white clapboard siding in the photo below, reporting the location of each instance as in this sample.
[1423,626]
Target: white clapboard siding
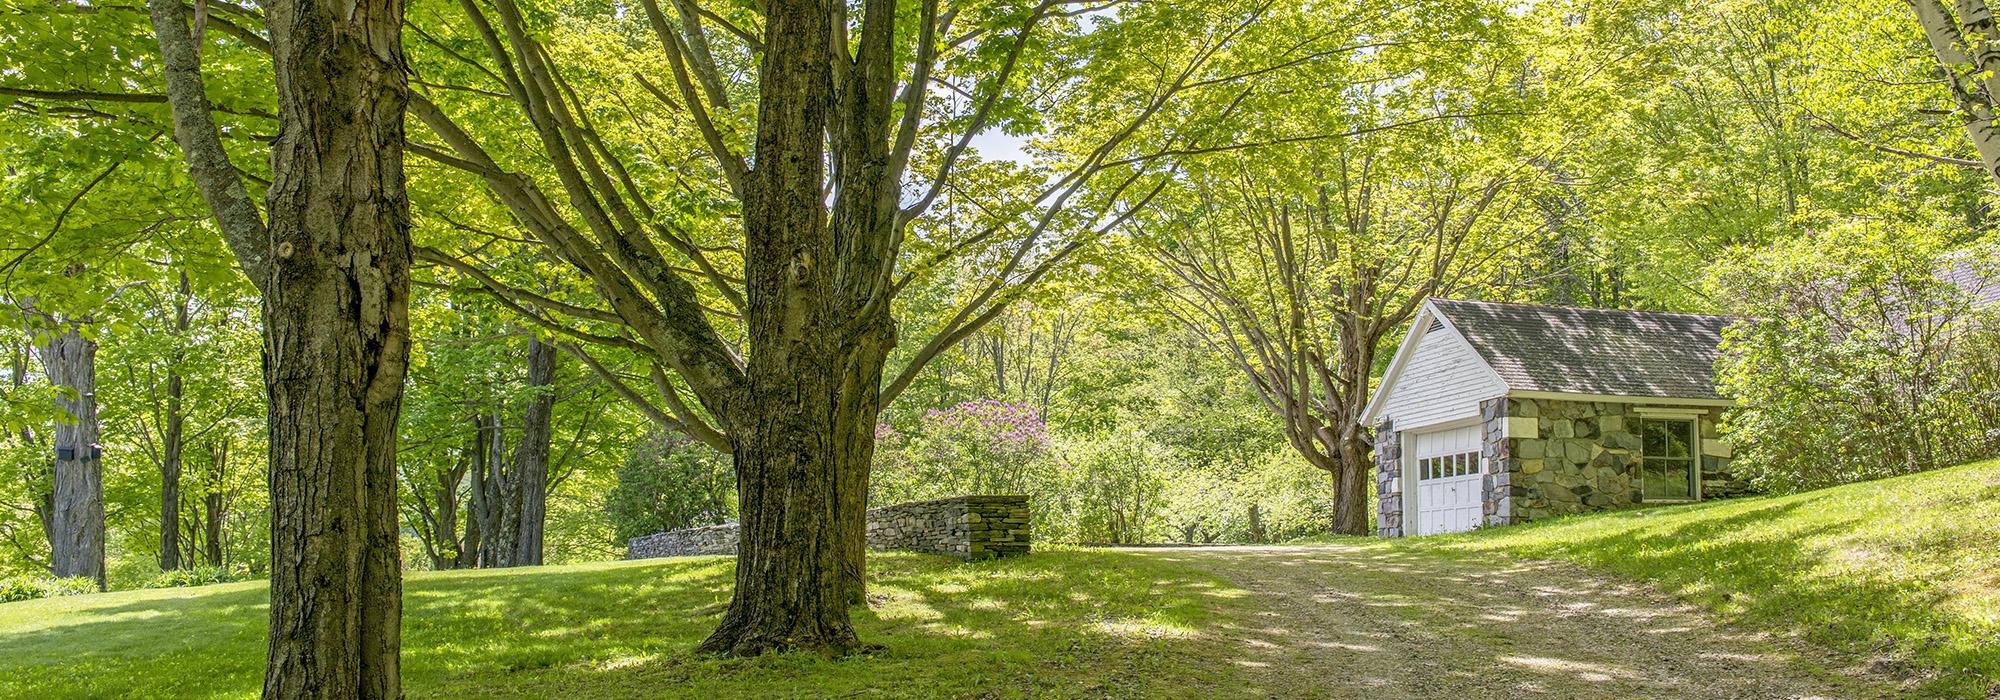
[1443,380]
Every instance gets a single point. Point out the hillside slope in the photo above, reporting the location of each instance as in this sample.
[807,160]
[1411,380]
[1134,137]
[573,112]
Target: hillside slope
[1903,571]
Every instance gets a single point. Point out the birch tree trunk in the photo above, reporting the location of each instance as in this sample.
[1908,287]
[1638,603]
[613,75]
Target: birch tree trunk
[1966,45]
[76,525]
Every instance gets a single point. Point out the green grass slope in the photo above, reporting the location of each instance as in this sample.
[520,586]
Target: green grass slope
[1075,623]
[1905,571]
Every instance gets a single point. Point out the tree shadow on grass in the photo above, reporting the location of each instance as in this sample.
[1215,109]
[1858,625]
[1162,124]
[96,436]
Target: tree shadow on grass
[1068,624]
[1772,578]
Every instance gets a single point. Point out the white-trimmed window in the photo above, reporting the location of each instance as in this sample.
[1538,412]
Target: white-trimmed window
[1447,466]
[1669,464]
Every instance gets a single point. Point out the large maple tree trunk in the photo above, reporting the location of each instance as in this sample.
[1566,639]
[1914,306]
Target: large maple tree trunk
[819,332]
[76,514]
[330,254]
[802,492]
[335,347]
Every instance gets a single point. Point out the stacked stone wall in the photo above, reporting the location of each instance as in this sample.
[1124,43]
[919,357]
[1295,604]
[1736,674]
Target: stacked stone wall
[968,527]
[1388,481]
[714,539]
[1551,457]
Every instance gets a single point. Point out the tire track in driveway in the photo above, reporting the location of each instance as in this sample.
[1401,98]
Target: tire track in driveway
[1356,621]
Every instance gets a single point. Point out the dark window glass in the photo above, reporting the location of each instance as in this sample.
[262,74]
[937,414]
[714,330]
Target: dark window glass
[1667,460]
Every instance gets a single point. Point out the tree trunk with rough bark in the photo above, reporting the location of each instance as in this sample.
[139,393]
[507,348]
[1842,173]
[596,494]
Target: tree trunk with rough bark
[819,331]
[332,264]
[531,456]
[77,497]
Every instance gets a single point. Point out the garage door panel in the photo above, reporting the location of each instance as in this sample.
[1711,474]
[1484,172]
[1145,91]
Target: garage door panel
[1450,480]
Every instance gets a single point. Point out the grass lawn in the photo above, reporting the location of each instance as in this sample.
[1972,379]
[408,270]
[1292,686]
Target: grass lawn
[1066,623]
[1904,570]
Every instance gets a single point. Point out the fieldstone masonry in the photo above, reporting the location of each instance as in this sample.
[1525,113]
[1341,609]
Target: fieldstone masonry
[967,527]
[714,539]
[1388,481]
[1546,457]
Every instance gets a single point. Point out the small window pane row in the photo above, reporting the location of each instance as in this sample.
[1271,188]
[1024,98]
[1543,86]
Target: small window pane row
[1447,466]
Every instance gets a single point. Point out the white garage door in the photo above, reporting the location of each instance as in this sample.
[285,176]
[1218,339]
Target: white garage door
[1448,480]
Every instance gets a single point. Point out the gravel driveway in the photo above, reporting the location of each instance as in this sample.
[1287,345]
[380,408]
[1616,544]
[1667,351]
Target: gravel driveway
[1335,621]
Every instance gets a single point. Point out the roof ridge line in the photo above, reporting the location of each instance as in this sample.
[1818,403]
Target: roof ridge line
[1578,308]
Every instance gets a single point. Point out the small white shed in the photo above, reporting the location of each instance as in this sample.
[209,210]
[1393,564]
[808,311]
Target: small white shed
[1492,414]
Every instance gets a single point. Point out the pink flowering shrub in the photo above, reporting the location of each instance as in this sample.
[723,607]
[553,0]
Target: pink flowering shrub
[972,447]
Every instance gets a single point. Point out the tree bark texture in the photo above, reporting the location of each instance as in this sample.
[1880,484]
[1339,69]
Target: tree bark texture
[531,455]
[336,309]
[76,523]
[332,263]
[819,330]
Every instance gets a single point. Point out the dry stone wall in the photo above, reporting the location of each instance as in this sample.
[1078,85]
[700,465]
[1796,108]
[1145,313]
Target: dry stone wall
[967,527]
[714,539]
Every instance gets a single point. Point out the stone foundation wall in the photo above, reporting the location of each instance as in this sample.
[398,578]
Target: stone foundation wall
[968,527]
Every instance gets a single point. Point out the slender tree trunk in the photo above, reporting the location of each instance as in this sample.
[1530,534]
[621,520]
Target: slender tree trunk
[77,497]
[471,548]
[170,477]
[43,501]
[171,436]
[531,456]
[336,315]
[1256,524]
[502,502]
[446,549]
[215,504]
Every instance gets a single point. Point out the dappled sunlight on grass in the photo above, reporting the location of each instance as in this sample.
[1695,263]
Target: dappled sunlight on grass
[1076,623]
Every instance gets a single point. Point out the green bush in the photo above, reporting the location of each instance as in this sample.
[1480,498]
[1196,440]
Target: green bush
[32,586]
[1856,360]
[195,576]
[670,482]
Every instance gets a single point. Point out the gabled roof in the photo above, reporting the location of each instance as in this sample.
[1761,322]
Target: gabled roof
[1592,351]
[1977,277]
